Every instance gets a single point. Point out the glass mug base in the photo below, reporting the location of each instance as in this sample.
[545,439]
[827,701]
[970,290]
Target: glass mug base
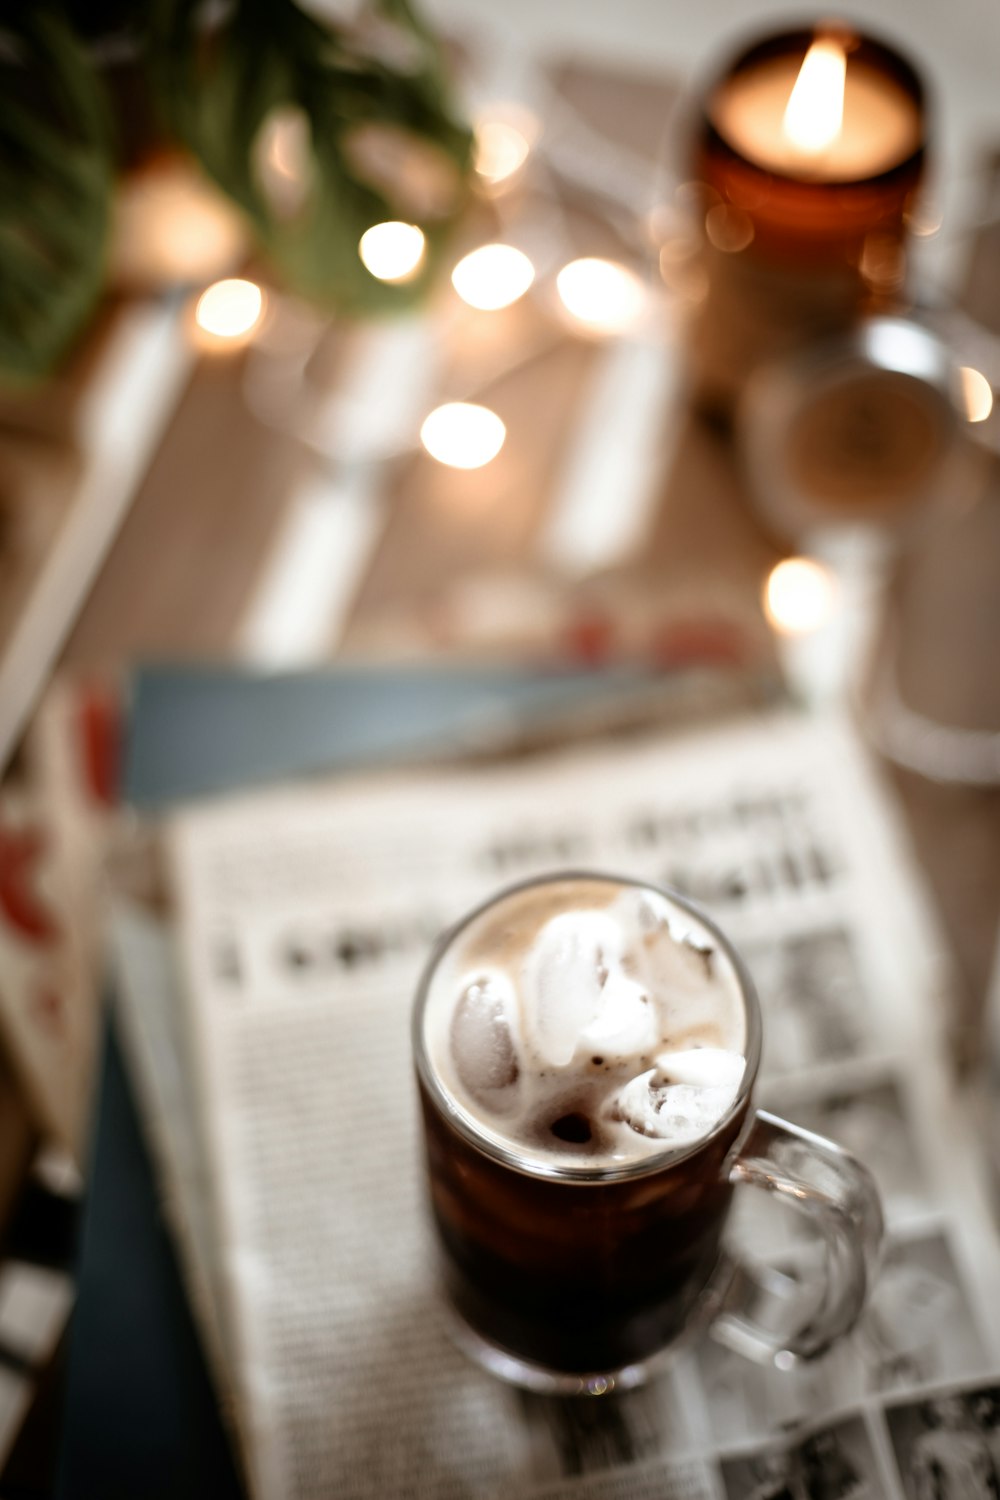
[579,1258]
[529,1375]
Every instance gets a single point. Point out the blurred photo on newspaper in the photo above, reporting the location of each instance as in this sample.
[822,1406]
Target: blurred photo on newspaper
[266,1006]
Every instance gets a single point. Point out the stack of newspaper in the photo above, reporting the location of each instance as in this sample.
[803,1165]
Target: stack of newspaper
[267,1013]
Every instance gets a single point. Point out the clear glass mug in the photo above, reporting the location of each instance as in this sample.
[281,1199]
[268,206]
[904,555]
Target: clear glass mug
[567,1277]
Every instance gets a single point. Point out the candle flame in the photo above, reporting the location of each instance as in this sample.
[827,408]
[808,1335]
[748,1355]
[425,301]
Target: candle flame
[814,114]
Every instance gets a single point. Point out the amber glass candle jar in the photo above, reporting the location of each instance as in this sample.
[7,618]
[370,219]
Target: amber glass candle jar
[808,154]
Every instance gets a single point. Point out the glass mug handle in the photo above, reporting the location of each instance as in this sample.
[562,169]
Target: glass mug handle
[825,1183]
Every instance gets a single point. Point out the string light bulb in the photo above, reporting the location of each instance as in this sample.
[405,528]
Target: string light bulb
[228,312]
[600,294]
[462,435]
[392,251]
[799,596]
[502,144]
[283,161]
[493,276]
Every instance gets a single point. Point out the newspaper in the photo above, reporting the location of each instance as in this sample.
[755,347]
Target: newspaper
[281,1101]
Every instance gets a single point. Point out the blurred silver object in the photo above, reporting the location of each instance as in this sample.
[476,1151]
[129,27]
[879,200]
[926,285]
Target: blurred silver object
[870,426]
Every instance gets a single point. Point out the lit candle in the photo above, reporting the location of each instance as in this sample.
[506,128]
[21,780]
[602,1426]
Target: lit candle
[809,154]
[823,117]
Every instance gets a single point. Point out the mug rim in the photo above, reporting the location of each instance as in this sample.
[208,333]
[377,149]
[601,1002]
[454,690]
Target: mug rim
[464,1123]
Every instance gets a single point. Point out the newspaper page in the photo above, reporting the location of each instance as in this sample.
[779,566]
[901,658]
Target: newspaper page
[305,918]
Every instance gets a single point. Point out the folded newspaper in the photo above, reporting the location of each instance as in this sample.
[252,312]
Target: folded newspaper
[267,1018]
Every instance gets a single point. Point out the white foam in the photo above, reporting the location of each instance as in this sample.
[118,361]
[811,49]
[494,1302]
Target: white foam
[607,1000]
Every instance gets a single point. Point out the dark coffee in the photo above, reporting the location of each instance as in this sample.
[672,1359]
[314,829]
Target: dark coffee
[576,1276]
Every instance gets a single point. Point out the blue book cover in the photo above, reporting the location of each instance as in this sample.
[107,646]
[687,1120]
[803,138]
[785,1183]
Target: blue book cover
[194,731]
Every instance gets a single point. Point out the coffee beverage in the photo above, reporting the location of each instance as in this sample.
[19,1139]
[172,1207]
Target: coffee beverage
[584,1050]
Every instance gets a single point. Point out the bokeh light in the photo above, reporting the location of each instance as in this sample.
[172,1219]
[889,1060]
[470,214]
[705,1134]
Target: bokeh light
[978,394]
[463,435]
[392,251]
[600,294]
[501,149]
[493,276]
[729,229]
[799,596]
[283,161]
[172,226]
[229,310]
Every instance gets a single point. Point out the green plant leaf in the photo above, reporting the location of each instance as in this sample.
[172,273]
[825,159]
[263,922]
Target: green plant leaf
[56,182]
[221,91]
